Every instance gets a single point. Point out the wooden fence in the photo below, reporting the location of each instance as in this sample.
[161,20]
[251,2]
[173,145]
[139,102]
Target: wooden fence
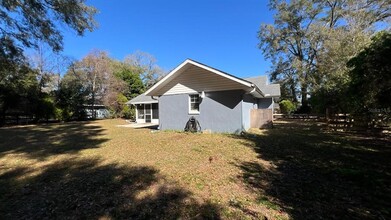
[261,118]
[340,122]
[305,117]
[344,122]
[375,122]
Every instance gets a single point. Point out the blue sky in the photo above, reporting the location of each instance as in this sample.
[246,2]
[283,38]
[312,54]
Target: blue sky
[219,33]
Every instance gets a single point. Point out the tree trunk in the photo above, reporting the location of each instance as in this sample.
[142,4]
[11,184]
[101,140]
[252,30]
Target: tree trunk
[2,117]
[93,98]
[293,91]
[304,99]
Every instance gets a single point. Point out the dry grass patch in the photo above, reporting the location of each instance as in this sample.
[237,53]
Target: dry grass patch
[98,170]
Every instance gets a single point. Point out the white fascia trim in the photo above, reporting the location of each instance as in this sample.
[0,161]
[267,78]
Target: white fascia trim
[135,103]
[173,72]
[166,77]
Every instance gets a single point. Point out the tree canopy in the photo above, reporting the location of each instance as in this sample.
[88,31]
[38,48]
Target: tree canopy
[25,23]
[98,79]
[371,76]
[311,41]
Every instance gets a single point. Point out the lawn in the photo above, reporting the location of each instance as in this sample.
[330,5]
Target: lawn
[95,170]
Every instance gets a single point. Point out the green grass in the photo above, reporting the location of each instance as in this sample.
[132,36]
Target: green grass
[265,201]
[97,170]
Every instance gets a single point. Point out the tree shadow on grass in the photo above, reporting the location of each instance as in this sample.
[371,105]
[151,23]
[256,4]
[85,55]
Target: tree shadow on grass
[89,189]
[319,175]
[42,141]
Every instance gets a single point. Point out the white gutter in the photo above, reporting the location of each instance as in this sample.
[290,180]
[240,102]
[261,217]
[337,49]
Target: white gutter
[146,102]
[256,90]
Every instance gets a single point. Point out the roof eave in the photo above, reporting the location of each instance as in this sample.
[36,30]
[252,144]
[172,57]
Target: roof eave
[256,92]
[146,102]
[161,83]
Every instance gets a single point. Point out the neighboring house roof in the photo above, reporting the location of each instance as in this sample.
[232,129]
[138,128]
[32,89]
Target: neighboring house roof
[142,99]
[270,90]
[250,87]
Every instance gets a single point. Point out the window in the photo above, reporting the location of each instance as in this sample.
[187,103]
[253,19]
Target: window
[194,104]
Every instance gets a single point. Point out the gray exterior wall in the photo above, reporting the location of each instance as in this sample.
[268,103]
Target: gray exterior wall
[219,111]
[265,103]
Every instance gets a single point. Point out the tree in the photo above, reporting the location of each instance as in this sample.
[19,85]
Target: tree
[71,97]
[24,23]
[49,65]
[145,63]
[118,107]
[130,75]
[351,25]
[18,91]
[370,73]
[98,79]
[291,43]
[284,75]
[311,41]
[28,24]
[95,72]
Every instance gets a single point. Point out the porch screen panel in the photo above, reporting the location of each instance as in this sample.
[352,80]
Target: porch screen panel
[155,111]
[140,109]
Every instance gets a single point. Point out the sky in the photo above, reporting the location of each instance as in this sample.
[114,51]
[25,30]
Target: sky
[218,33]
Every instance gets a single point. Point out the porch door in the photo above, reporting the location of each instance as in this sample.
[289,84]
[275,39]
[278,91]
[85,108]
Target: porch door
[148,113]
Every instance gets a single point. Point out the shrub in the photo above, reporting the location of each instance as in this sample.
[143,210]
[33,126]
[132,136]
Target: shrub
[287,107]
[128,112]
[62,114]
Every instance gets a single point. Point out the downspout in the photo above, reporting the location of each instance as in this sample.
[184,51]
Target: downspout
[241,114]
[158,104]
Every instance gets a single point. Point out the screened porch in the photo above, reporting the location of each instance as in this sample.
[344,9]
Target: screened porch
[147,113]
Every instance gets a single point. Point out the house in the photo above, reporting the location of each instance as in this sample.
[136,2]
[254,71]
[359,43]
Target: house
[220,101]
[147,109]
[101,112]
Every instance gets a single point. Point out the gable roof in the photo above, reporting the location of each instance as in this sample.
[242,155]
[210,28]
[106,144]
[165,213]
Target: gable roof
[142,99]
[250,87]
[270,90]
[227,74]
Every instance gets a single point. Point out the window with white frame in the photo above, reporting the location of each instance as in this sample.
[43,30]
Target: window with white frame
[194,104]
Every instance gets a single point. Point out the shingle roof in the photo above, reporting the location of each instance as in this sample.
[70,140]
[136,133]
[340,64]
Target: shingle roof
[260,81]
[262,84]
[156,89]
[263,87]
[142,99]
